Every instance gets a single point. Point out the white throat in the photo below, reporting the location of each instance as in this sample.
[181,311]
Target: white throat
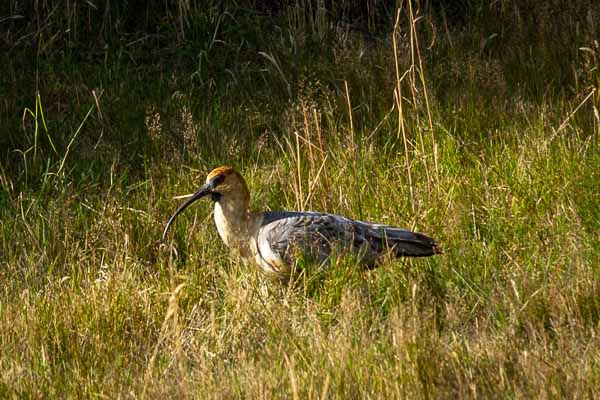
[234,223]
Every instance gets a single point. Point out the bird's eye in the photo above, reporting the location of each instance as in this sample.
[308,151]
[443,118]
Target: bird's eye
[217,180]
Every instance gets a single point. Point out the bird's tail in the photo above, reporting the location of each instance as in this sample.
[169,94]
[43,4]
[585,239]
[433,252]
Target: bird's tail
[411,244]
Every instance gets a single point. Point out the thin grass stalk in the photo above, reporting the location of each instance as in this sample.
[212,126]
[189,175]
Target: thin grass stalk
[323,153]
[426,97]
[352,138]
[411,69]
[414,54]
[401,132]
[307,138]
[298,172]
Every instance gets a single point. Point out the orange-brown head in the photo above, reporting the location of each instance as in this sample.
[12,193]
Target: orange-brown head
[223,170]
[222,183]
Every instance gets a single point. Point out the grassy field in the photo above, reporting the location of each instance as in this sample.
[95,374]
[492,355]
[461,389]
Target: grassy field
[483,134]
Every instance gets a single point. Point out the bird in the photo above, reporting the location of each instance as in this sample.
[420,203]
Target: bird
[278,240]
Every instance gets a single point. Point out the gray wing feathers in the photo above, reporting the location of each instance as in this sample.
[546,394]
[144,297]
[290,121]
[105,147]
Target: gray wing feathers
[313,235]
[401,242]
[319,235]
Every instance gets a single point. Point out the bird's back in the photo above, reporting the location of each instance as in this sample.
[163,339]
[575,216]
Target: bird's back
[283,235]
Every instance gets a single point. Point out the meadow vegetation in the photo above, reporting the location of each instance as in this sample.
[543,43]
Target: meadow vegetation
[476,124]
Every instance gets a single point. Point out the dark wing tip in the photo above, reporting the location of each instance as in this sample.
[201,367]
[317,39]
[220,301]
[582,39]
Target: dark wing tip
[419,245]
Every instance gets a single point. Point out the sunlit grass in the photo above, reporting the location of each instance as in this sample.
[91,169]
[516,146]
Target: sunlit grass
[93,305]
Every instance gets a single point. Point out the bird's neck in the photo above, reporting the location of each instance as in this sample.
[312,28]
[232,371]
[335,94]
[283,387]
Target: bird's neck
[235,223]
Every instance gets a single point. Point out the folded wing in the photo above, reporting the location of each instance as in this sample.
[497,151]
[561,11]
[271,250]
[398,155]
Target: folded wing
[283,235]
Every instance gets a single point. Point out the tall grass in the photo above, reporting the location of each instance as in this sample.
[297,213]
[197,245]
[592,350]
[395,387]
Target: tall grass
[482,134]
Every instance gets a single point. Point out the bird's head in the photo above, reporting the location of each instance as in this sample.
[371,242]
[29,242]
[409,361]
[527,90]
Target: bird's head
[222,183]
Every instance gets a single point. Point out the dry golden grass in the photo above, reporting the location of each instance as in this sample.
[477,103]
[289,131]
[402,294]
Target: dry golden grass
[443,140]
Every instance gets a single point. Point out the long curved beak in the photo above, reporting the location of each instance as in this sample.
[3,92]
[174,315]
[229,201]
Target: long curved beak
[204,190]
